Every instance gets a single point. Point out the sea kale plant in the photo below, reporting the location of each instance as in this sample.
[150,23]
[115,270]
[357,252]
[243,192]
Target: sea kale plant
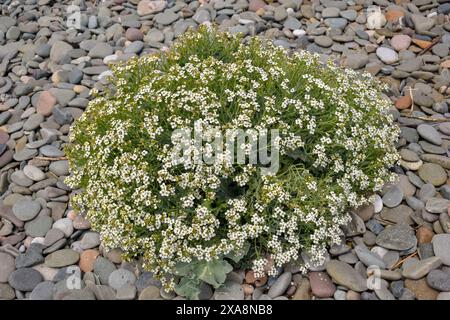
[190,222]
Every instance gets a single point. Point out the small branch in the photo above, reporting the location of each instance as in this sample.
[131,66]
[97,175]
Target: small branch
[433,43]
[412,101]
[403,260]
[428,119]
[51,159]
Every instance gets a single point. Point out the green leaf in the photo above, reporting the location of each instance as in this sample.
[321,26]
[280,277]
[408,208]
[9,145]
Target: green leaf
[189,288]
[184,269]
[213,272]
[237,256]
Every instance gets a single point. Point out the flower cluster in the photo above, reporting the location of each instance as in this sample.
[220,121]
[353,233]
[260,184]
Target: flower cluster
[336,147]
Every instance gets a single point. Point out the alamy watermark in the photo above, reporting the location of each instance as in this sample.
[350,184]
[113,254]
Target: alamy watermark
[212,146]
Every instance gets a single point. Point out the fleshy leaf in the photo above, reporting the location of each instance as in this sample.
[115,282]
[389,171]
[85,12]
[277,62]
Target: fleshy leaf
[189,288]
[213,272]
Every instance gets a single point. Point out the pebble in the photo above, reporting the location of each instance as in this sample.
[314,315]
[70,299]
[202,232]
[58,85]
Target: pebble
[26,210]
[43,291]
[25,279]
[121,277]
[103,268]
[439,280]
[62,258]
[150,293]
[7,266]
[343,274]
[393,197]
[65,225]
[280,285]
[321,285]
[441,245]
[398,237]
[417,270]
[429,133]
[400,42]
[433,173]
[387,55]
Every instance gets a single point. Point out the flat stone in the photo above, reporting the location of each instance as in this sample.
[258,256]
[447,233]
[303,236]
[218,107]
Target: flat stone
[429,133]
[126,292]
[7,266]
[368,258]
[441,245]
[87,260]
[393,197]
[398,237]
[399,214]
[387,55]
[43,291]
[437,205]
[167,17]
[34,173]
[280,285]
[152,293]
[439,280]
[103,268]
[121,277]
[6,292]
[146,7]
[321,285]
[39,226]
[433,173]
[100,50]
[400,42]
[31,257]
[25,279]
[62,258]
[420,269]
[343,274]
[26,210]
[90,240]
[421,289]
[65,225]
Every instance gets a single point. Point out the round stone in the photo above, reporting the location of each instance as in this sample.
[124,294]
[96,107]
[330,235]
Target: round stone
[441,245]
[7,266]
[39,226]
[65,225]
[280,285]
[62,258]
[134,34]
[400,42]
[43,291]
[26,210]
[25,279]
[387,55]
[377,204]
[398,237]
[343,274]
[439,280]
[34,173]
[87,260]
[432,173]
[429,133]
[90,240]
[323,41]
[393,197]
[121,277]
[103,268]
[150,293]
[321,285]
